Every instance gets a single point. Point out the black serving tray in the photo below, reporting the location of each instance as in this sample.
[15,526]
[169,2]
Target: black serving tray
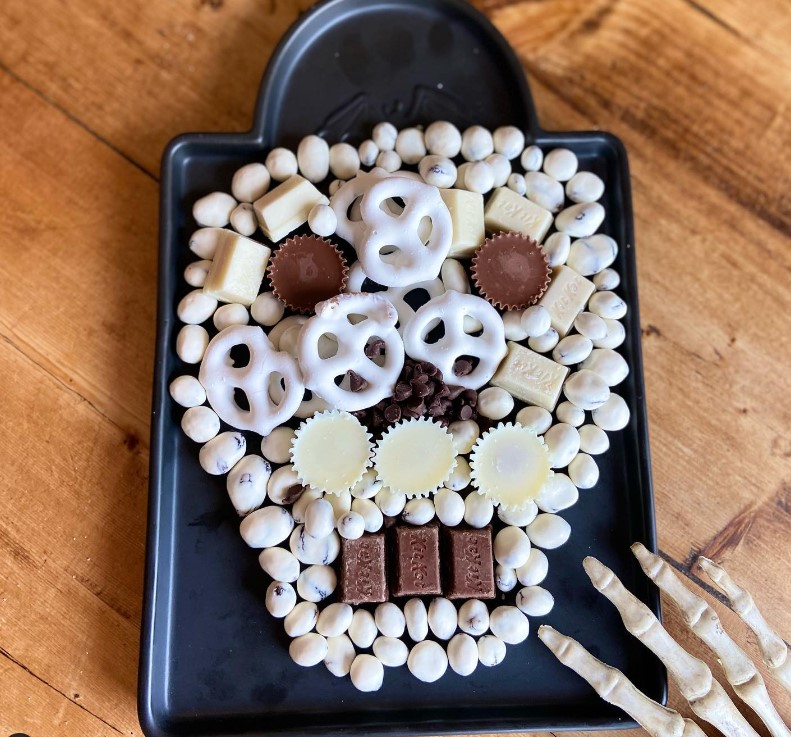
[213,662]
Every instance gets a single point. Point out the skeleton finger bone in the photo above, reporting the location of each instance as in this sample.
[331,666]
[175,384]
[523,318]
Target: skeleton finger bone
[774,652]
[704,622]
[706,696]
[615,688]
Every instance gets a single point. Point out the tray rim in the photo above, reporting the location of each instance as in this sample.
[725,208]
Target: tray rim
[256,135]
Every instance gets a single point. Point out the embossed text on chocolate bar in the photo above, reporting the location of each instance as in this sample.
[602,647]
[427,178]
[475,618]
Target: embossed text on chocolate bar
[416,561]
[363,570]
[470,565]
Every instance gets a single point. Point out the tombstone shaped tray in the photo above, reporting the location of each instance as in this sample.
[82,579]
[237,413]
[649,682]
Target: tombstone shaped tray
[213,661]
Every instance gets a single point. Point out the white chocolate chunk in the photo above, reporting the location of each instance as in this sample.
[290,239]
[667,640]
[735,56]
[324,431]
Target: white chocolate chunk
[566,297]
[286,207]
[506,210]
[237,270]
[530,377]
[466,214]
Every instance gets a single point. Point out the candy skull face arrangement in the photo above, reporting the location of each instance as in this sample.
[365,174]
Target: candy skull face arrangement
[425,355]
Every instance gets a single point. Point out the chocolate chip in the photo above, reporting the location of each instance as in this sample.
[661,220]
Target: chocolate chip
[402,392]
[462,367]
[454,392]
[375,348]
[422,390]
[465,413]
[392,413]
[356,382]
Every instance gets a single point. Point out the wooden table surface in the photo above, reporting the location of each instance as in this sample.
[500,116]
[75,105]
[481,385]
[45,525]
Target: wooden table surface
[90,93]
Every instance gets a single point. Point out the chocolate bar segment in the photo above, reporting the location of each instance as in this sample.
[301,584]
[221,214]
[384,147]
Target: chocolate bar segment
[416,561]
[469,563]
[363,576]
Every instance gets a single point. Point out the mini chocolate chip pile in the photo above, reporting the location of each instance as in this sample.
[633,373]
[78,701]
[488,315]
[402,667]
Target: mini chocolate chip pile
[421,334]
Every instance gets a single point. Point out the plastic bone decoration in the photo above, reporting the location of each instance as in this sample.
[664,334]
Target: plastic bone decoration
[707,698]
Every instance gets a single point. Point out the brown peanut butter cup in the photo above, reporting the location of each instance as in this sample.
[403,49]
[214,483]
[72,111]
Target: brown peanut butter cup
[306,270]
[511,271]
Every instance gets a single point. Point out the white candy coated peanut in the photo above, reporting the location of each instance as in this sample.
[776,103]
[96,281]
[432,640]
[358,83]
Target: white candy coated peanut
[230,314]
[367,487]
[200,424]
[427,661]
[390,161]
[250,182]
[463,654]
[512,323]
[586,389]
[608,364]
[580,221]
[222,453]
[308,650]
[572,349]
[593,440]
[280,599]
[454,276]
[243,219]
[196,307]
[584,186]
[548,531]
[583,471]
[591,255]
[491,650]
[310,550]
[391,503]
[214,210]
[351,526]
[410,145]
[276,446]
[474,617]
[563,443]
[280,564]
[607,279]
[511,547]
[191,343]
[557,247]
[516,182]
[465,435]
[508,141]
[459,479]
[267,310]
[281,485]
[418,511]
[545,342]
[301,619]
[449,506]
[266,527]
[340,655]
[362,630]
[203,242]
[495,403]
[322,220]
[504,578]
[389,619]
[532,158]
[344,161]
[535,570]
[509,624]
[479,177]
[246,485]
[520,517]
[195,273]
[570,413]
[461,175]
[371,514]
[187,391]
[501,168]
[334,619]
[384,135]
[561,164]
[613,414]
[443,139]
[607,305]
[442,618]
[476,143]
[319,519]
[316,583]
[557,494]
[478,510]
[313,158]
[437,171]
[390,651]
[544,191]
[616,334]
[416,616]
[536,418]
[281,164]
[590,325]
[535,601]
[367,151]
[367,673]
[304,497]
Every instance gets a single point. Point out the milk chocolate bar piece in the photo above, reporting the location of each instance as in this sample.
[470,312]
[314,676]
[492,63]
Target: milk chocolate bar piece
[363,577]
[531,377]
[470,564]
[416,561]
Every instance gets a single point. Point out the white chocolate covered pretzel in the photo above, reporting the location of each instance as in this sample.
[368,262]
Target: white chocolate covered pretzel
[396,295]
[391,249]
[221,378]
[354,321]
[450,309]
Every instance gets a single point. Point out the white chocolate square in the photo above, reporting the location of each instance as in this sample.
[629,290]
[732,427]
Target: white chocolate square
[466,213]
[237,269]
[506,210]
[566,297]
[531,377]
[286,207]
